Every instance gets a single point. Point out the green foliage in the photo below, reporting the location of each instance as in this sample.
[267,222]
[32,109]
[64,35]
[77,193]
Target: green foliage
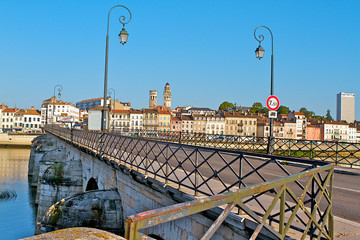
[56,212]
[256,108]
[226,105]
[58,172]
[307,113]
[283,110]
[328,116]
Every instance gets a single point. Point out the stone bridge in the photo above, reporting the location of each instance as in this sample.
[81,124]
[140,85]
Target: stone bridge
[163,190]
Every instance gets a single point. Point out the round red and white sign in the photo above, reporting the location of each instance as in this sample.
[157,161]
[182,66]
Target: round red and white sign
[272,103]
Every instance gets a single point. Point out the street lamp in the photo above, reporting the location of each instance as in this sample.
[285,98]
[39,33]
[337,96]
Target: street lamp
[259,53]
[123,36]
[111,90]
[60,88]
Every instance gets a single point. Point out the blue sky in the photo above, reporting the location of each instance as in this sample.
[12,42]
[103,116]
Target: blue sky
[204,49]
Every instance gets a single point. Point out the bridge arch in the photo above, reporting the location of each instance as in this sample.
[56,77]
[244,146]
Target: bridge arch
[91,185]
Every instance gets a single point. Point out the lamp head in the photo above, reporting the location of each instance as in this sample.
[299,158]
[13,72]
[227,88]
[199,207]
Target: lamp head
[259,52]
[123,36]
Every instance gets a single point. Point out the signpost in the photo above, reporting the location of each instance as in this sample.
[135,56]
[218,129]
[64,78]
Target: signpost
[273,103]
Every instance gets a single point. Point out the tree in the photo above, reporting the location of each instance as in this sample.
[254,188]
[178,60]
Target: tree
[226,105]
[306,112]
[283,110]
[328,116]
[256,108]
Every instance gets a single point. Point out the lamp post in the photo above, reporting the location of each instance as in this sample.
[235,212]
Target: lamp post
[259,53]
[123,36]
[60,88]
[111,90]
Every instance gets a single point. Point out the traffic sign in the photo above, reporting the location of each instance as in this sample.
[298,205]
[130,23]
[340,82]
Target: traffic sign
[272,114]
[272,103]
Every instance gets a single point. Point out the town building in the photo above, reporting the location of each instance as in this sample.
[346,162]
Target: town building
[58,112]
[263,129]
[163,119]
[313,132]
[175,124]
[238,124]
[334,131]
[187,124]
[300,120]
[199,111]
[199,123]
[94,118]
[345,107]
[150,117]
[215,124]
[120,120]
[136,120]
[289,129]
[8,119]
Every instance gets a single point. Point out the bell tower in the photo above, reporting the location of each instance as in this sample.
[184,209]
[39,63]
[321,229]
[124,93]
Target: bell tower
[167,96]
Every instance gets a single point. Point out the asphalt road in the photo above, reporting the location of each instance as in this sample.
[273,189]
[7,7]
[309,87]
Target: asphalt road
[346,188]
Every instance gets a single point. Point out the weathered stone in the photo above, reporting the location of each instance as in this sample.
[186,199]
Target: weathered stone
[100,209]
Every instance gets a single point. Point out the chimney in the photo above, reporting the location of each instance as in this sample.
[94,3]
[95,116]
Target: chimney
[32,108]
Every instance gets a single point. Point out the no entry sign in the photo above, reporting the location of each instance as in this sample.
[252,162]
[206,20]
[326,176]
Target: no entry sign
[272,103]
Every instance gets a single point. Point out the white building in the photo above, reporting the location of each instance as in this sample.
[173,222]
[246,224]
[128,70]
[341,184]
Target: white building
[215,124]
[28,120]
[54,112]
[120,120]
[187,124]
[136,120]
[300,120]
[8,119]
[345,107]
[94,118]
[352,134]
[334,131]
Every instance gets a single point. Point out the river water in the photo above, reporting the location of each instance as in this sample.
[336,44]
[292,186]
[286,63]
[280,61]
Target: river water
[17,216]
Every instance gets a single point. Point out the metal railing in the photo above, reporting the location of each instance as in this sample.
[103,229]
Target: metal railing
[303,187]
[341,153]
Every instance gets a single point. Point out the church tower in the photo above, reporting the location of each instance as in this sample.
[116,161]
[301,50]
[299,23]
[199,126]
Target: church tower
[153,99]
[167,96]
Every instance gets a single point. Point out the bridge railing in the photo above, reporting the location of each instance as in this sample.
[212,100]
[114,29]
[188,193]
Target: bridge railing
[305,190]
[341,153]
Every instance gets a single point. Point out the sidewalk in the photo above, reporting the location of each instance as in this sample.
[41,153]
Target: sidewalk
[347,170]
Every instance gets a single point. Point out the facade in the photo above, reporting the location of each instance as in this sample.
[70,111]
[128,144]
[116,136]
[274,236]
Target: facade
[175,124]
[334,131]
[163,119]
[120,120]
[150,117]
[136,120]
[199,123]
[313,132]
[167,97]
[352,134]
[8,119]
[187,124]
[300,120]
[345,107]
[238,124]
[94,118]
[28,120]
[54,111]
[263,129]
[153,99]
[215,124]
[289,129]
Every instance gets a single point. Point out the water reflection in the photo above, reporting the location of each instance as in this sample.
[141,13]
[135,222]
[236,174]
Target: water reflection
[17,216]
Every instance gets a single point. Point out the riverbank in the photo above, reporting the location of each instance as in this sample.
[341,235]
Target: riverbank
[17,140]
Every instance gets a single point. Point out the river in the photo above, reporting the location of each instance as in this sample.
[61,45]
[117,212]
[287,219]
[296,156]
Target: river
[17,216]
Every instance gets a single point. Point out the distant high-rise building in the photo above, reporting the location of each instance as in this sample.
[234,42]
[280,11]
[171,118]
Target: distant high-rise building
[167,96]
[345,107]
[153,99]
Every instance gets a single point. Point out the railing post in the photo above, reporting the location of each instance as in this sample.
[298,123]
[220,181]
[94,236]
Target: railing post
[336,153]
[311,143]
[313,203]
[167,166]
[331,218]
[196,173]
[180,138]
[282,211]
